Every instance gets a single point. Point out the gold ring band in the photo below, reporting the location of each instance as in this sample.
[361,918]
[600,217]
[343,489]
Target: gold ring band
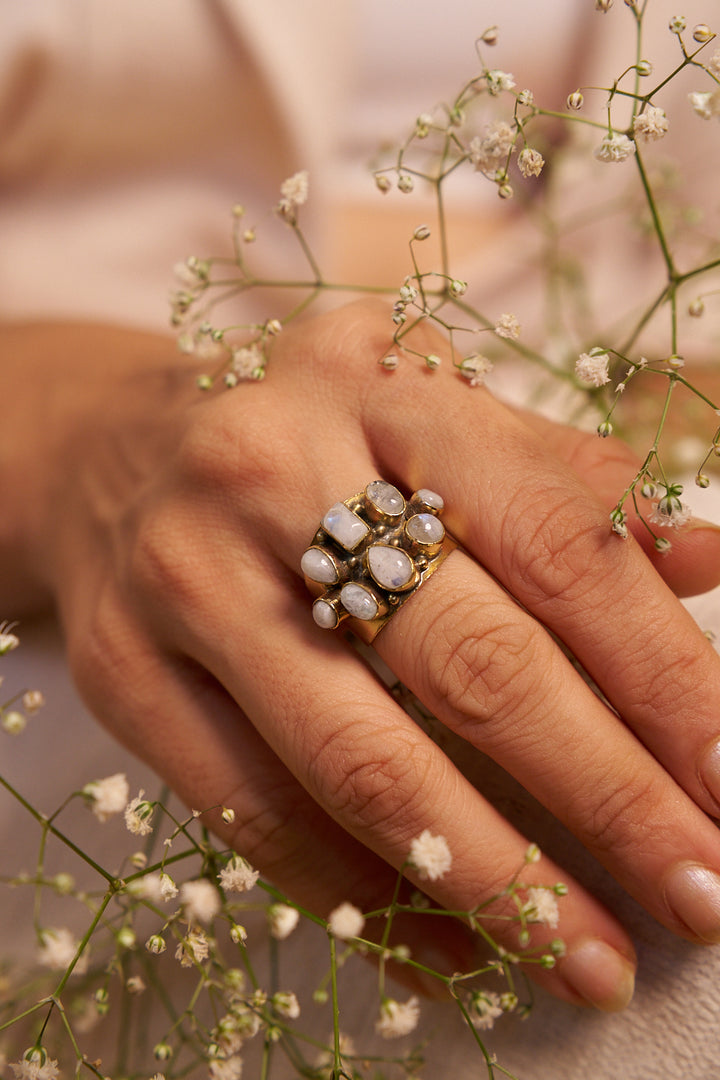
[371,553]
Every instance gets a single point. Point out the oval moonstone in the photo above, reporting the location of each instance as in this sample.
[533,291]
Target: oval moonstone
[431,498]
[390,566]
[425,529]
[318,566]
[358,601]
[325,615]
[385,497]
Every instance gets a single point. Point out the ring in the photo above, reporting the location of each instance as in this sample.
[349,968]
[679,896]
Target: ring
[371,553]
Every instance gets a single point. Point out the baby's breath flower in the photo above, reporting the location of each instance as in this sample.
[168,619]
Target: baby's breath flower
[605,429]
[487,151]
[663,545]
[489,36]
[677,24]
[200,900]
[541,907]
[35,1065]
[58,947]
[702,33]
[137,816]
[484,1009]
[702,480]
[603,5]
[423,124]
[109,796]
[238,934]
[713,64]
[8,640]
[433,361]
[497,81]
[644,68]
[532,854]
[457,287]
[430,856]
[14,722]
[163,1051]
[32,700]
[526,97]
[382,183]
[282,920]
[670,510]
[508,326]
[345,921]
[405,183]
[286,1004]
[294,193]
[530,162]
[193,949]
[614,148]
[696,308]
[238,875]
[126,938]
[226,1068]
[389,362]
[475,368]
[421,233]
[245,360]
[651,124]
[135,985]
[592,367]
[575,100]
[156,944]
[397,1018]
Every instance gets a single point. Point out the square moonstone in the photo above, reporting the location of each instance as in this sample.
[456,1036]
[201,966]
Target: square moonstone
[344,526]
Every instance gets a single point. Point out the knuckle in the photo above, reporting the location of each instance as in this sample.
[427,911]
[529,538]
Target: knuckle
[624,818]
[99,648]
[368,784]
[484,672]
[557,548]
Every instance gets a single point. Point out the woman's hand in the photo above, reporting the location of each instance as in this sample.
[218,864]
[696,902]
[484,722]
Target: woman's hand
[168,527]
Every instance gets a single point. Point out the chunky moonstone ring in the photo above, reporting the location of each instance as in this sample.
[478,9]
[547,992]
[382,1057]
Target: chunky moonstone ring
[371,553]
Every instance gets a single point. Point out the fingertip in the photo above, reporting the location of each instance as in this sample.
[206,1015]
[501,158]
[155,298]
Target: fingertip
[692,565]
[598,975]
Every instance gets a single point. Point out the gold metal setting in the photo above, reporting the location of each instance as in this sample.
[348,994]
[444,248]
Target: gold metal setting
[371,553]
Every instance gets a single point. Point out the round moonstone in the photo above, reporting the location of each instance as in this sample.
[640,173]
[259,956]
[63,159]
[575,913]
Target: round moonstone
[325,615]
[385,497]
[358,601]
[318,566]
[431,498]
[345,526]
[390,566]
[425,529]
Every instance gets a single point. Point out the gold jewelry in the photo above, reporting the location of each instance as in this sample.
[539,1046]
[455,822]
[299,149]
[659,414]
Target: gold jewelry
[371,553]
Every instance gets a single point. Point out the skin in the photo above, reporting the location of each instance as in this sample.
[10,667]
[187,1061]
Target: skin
[168,530]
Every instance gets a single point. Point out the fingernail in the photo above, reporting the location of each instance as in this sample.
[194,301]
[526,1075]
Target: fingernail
[599,974]
[693,895]
[709,770]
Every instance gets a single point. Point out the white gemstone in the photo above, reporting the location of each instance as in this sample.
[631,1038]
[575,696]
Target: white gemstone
[325,615]
[431,498]
[318,566]
[344,526]
[358,601]
[390,566]
[425,529]
[385,497]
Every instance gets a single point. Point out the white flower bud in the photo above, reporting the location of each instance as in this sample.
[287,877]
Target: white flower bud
[14,722]
[389,362]
[575,100]
[421,233]
[382,183]
[644,68]
[697,308]
[603,5]
[505,191]
[677,24]
[702,33]
[490,36]
[702,480]
[228,815]
[405,183]
[433,361]
[605,429]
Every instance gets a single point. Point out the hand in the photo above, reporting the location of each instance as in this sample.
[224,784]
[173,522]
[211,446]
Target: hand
[171,536]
